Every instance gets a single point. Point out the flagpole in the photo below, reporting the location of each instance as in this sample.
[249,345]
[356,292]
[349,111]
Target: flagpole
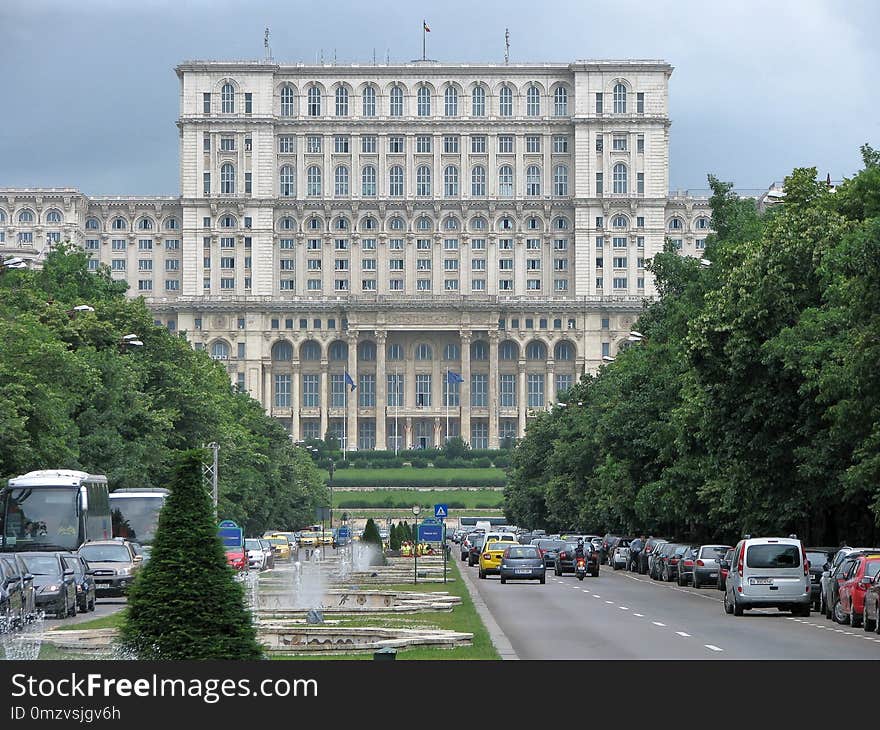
[424,42]
[447,404]
[345,420]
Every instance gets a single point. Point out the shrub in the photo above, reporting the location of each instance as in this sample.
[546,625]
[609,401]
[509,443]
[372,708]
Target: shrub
[484,463]
[420,463]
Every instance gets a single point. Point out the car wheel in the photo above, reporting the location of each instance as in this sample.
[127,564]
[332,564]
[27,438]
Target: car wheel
[595,572]
[482,575]
[682,581]
[543,580]
[737,607]
[855,620]
[503,580]
[838,614]
[92,604]
[869,624]
[727,607]
[557,571]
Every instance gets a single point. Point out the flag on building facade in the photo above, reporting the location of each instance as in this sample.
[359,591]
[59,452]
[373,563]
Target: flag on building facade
[350,381]
[452,377]
[427,29]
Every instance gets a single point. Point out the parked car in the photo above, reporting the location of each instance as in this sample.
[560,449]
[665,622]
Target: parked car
[467,543]
[819,560]
[706,569]
[636,546]
[646,557]
[255,554]
[85,582]
[724,569]
[522,562]
[14,565]
[872,606]
[475,548]
[768,572]
[670,562]
[55,584]
[12,600]
[619,556]
[661,555]
[549,550]
[850,605]
[113,563]
[269,551]
[607,544]
[687,562]
[829,583]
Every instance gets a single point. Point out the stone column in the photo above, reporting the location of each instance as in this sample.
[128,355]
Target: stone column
[381,394]
[464,425]
[438,432]
[325,398]
[407,433]
[551,383]
[351,398]
[493,391]
[267,388]
[523,401]
[295,400]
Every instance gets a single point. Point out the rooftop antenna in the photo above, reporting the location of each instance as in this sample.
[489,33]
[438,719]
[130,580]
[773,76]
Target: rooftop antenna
[387,56]
[334,56]
[266,45]
[506,46]
[374,56]
[322,56]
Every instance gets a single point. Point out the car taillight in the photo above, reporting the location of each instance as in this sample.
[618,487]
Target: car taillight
[688,562]
[739,563]
[563,555]
[674,561]
[487,556]
[805,561]
[700,563]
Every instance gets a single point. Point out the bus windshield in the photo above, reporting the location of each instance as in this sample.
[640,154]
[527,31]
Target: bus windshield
[40,519]
[136,518]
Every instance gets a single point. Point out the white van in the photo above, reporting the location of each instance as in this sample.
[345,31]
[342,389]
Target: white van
[768,572]
[497,535]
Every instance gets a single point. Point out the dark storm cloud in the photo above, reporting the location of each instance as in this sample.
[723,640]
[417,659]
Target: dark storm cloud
[91,98]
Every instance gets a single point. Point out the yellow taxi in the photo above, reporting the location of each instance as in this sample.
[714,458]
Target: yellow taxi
[280,545]
[490,557]
[325,537]
[308,539]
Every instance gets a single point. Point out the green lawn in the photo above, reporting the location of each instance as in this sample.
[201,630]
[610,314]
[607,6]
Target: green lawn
[113,621]
[405,498]
[461,618]
[410,476]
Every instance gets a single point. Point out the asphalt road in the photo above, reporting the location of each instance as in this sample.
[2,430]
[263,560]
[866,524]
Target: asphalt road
[103,607]
[621,615]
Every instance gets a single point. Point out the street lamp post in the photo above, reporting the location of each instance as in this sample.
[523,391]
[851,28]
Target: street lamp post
[331,467]
[415,510]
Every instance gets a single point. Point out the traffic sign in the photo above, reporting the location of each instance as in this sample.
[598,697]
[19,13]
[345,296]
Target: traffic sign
[343,532]
[441,511]
[228,523]
[430,533]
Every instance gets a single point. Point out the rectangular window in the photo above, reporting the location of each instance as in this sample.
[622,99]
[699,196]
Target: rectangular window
[283,284]
[450,264]
[505,244]
[92,244]
[313,144]
[285,264]
[395,284]
[227,144]
[313,244]
[600,241]
[395,264]
[640,221]
[700,244]
[598,282]
[423,244]
[396,145]
[310,391]
[368,144]
[206,186]
[560,244]
[505,264]
[598,102]
[478,144]
[478,264]
[533,244]
[248,144]
[423,390]
[618,143]
[206,283]
[451,392]
[368,264]
[619,262]
[172,285]
[340,265]
[450,144]
[640,103]
[533,143]
[287,145]
[338,390]
[206,222]
[450,244]
[227,283]
[533,284]
[172,264]
[145,285]
[600,262]
[599,183]
[640,282]
[600,143]
[606,349]
[450,285]
[423,285]
[340,244]
[560,264]
[478,285]
[533,264]
[479,390]
[227,242]
[600,221]
[248,102]
[563,383]
[535,383]
[341,285]
[505,144]
[478,244]
[560,144]
[618,242]
[313,285]
[560,284]
[206,103]
[241,350]
[505,285]
[206,142]
[423,264]
[313,264]
[640,262]
[507,391]
[640,143]
[640,183]
[619,282]
[117,265]
[367,391]
[640,241]
[395,390]
[479,435]
[248,183]
[340,144]
[423,144]
[368,285]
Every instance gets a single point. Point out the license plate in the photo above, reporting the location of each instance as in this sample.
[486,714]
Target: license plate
[713,575]
[522,571]
[760,581]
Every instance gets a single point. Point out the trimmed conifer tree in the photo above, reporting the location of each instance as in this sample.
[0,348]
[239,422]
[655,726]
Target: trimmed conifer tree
[185,604]
[371,534]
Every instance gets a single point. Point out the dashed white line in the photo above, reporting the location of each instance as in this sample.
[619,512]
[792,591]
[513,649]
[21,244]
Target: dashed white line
[623,608]
[682,633]
[639,615]
[596,595]
[609,602]
[713,647]
[585,590]
[657,623]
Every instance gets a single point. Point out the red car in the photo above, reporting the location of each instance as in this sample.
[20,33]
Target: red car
[850,606]
[237,558]
[871,613]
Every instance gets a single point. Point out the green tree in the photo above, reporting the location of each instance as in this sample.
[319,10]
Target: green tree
[185,604]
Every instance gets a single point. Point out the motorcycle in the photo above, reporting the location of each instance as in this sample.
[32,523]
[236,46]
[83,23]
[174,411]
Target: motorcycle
[580,567]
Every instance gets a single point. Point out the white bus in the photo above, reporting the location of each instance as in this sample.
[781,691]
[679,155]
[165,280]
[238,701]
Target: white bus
[135,512]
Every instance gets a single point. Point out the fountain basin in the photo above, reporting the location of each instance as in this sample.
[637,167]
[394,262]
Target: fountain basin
[287,639]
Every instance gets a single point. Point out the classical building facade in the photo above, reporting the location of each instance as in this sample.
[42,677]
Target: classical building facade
[458,242]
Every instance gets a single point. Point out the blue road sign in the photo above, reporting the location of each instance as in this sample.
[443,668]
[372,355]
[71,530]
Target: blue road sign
[441,511]
[343,532]
[430,533]
[228,523]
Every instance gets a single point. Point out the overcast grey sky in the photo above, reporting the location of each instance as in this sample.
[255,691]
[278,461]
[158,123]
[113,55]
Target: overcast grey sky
[90,97]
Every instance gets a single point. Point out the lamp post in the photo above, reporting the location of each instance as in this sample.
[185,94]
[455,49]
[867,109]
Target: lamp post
[415,510]
[330,469]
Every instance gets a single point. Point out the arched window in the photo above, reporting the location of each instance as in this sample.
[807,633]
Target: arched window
[450,224]
[395,181]
[479,351]
[316,224]
[505,181]
[368,181]
[395,352]
[368,224]
[341,181]
[341,224]
[534,224]
[287,102]
[702,224]
[313,180]
[620,183]
[451,352]
[478,181]
[220,350]
[282,351]
[450,97]
[533,101]
[172,224]
[53,216]
[505,224]
[145,224]
[27,216]
[227,179]
[287,181]
[396,224]
[533,180]
[508,350]
[560,180]
[367,352]
[536,351]
[560,102]
[3,218]
[341,101]
[287,224]
[119,224]
[425,224]
[368,101]
[338,351]
[478,102]
[478,223]
[619,221]
[227,99]
[563,351]
[310,350]
[92,224]
[505,102]
[228,221]
[619,98]
[675,224]
[561,224]
[424,102]
[396,100]
[424,352]
[314,105]
[450,181]
[423,181]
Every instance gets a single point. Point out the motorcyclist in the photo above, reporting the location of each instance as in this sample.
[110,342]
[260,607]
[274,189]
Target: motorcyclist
[579,551]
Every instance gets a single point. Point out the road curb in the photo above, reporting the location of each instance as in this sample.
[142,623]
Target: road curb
[499,639]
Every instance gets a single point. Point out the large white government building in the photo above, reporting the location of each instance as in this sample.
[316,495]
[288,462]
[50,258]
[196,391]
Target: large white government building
[396,223]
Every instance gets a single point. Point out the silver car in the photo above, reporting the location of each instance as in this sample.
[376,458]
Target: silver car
[768,572]
[522,562]
[706,565]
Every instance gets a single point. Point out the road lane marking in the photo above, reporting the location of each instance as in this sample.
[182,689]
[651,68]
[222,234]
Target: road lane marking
[623,608]
[657,623]
[682,633]
[713,647]
[639,615]
[611,602]
[586,591]
[596,595]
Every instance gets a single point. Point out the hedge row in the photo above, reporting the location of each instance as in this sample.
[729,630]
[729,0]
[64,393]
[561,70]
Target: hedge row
[420,478]
[421,460]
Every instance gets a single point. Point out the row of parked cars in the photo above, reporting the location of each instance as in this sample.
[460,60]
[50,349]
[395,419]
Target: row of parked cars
[64,583]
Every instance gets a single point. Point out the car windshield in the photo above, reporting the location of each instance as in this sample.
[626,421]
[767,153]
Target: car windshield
[496,547]
[773,556]
[253,544]
[871,568]
[105,553]
[477,540]
[74,565]
[714,552]
[817,560]
[521,553]
[278,540]
[41,564]
[681,550]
